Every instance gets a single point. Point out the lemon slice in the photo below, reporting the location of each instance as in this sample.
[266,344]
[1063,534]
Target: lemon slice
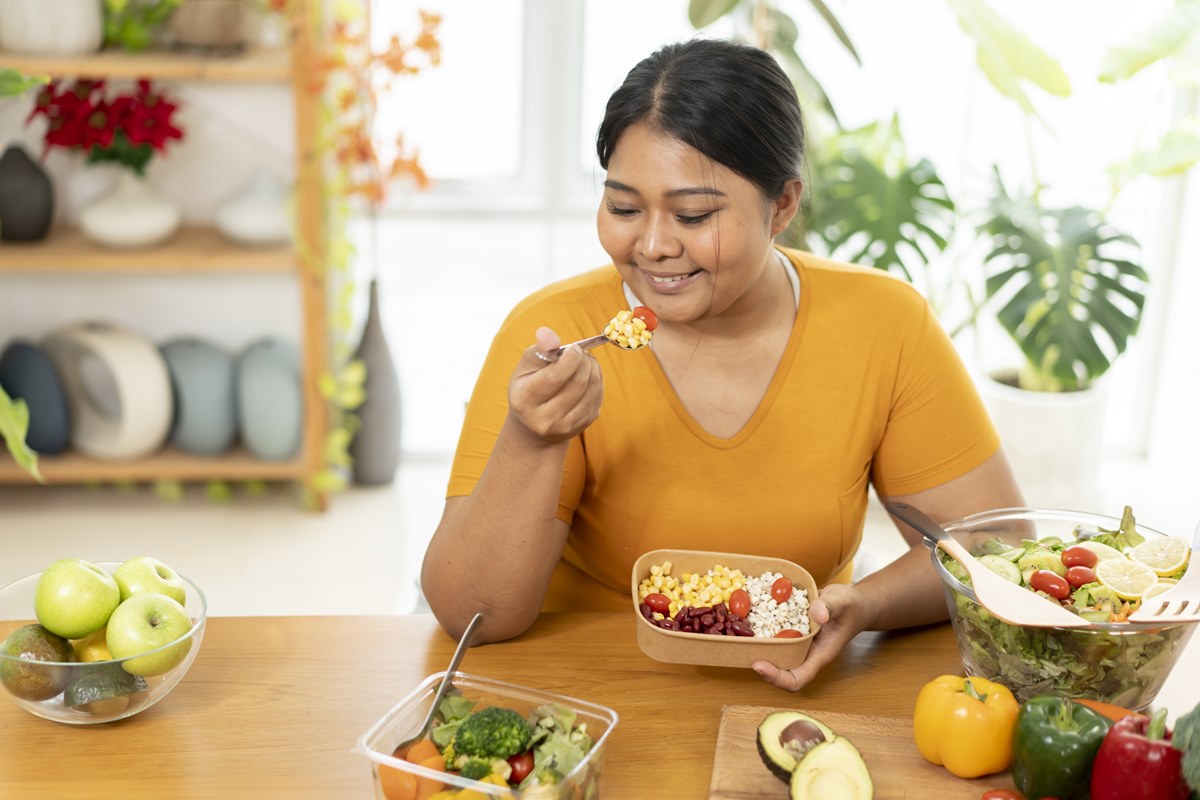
[1128,579]
[1157,589]
[1103,552]
[1166,555]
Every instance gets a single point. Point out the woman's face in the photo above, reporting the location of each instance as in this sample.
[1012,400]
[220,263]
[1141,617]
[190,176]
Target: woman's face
[690,236]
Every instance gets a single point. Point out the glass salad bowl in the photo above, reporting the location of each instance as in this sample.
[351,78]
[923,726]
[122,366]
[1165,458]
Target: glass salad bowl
[1116,662]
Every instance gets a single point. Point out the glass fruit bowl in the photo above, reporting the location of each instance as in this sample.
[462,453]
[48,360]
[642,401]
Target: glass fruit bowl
[69,686]
[1116,662]
[577,773]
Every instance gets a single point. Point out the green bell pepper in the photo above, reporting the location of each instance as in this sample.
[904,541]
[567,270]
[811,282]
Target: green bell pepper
[1054,744]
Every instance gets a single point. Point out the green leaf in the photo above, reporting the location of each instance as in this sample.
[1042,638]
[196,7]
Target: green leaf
[169,490]
[14,427]
[1167,36]
[808,88]
[1177,152]
[836,27]
[1066,294]
[702,13]
[219,491]
[871,206]
[13,83]
[1007,56]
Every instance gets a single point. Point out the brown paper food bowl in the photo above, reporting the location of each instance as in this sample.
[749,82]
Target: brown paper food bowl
[677,647]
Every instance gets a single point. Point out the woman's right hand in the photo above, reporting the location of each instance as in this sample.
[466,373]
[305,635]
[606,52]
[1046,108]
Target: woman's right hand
[555,401]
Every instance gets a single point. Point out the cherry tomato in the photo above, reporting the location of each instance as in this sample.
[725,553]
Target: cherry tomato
[781,590]
[658,602]
[1000,794]
[789,633]
[521,765]
[1079,556]
[1051,583]
[1079,575]
[739,603]
[647,316]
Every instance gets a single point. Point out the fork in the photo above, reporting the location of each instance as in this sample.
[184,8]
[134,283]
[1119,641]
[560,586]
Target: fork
[444,686]
[583,344]
[1180,603]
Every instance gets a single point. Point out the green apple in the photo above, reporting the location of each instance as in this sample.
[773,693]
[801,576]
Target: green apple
[146,623]
[74,598]
[146,575]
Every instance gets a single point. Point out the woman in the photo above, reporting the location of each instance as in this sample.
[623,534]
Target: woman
[777,385]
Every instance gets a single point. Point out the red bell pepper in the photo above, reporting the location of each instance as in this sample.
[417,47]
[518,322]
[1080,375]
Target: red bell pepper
[1137,762]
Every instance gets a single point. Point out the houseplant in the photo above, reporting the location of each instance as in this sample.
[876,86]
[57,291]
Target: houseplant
[1062,282]
[359,171]
[127,129]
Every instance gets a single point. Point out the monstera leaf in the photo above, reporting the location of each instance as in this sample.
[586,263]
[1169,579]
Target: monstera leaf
[871,206]
[1067,296]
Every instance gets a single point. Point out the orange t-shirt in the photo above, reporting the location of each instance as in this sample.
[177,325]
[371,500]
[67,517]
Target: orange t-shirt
[869,388]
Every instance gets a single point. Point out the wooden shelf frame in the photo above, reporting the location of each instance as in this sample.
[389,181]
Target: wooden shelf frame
[196,248]
[169,464]
[254,65]
[200,249]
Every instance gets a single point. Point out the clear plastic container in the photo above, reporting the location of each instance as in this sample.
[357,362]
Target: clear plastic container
[405,718]
[1117,662]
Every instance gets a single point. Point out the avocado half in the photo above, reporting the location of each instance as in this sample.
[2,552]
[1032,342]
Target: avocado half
[832,769]
[785,737]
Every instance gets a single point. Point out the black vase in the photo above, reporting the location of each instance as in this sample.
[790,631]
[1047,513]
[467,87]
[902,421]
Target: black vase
[26,197]
[376,445]
[26,373]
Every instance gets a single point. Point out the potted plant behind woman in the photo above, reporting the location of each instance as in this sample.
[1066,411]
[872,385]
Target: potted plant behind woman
[1065,285]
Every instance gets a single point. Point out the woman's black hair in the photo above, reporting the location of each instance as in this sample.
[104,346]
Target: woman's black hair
[732,102]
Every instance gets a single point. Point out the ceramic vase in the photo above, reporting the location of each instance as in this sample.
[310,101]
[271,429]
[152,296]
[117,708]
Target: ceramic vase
[26,197]
[202,384]
[376,444]
[257,213]
[270,400]
[51,27]
[118,389]
[132,215]
[26,373]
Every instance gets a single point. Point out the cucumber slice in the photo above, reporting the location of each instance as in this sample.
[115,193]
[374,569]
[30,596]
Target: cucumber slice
[1002,567]
[1034,560]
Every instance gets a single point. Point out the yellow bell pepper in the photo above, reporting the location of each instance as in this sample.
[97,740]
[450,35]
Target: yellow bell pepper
[965,724]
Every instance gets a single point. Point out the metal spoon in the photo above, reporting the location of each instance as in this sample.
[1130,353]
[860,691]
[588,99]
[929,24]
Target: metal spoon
[444,686]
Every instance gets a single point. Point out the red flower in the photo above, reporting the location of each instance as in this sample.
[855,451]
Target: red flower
[127,129]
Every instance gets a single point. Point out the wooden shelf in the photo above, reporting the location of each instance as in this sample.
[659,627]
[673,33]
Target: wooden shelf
[253,65]
[168,464]
[203,249]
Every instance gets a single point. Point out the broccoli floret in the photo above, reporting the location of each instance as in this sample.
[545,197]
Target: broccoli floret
[493,732]
[476,769]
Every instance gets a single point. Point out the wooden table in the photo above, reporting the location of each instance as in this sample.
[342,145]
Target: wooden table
[272,706]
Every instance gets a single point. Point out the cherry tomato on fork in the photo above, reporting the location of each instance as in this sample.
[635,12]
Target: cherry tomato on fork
[781,590]
[647,316]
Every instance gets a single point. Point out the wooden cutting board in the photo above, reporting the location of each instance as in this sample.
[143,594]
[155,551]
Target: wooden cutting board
[886,743]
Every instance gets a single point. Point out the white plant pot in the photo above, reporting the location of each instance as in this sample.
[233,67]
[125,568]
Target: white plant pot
[1054,441]
[131,215]
[51,27]
[257,214]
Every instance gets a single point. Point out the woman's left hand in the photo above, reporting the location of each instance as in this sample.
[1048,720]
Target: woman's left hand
[840,611]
